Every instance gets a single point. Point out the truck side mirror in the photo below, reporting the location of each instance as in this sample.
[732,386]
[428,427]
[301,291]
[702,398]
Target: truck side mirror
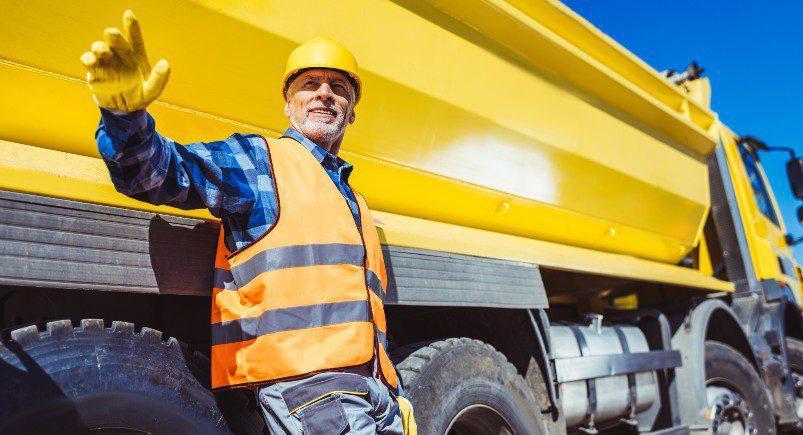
[790,239]
[794,171]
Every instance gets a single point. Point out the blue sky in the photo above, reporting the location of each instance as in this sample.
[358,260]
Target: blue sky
[751,51]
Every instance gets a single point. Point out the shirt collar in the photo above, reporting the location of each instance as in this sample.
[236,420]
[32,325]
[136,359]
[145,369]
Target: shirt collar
[320,154]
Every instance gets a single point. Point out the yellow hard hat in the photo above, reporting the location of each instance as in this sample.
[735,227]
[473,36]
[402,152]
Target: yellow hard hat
[322,53]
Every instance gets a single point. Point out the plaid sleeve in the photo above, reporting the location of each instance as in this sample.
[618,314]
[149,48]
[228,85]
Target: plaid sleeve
[149,167]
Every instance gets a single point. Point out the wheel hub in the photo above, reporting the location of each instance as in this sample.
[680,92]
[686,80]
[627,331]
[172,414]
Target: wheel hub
[728,412]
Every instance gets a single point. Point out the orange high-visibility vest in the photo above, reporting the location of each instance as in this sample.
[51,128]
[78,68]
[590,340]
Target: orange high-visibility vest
[307,296]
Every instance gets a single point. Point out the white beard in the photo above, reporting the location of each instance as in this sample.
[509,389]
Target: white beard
[322,132]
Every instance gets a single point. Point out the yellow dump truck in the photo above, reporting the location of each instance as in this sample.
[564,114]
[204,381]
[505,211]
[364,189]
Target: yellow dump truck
[575,242]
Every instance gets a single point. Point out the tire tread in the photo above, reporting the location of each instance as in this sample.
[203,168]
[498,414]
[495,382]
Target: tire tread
[246,420]
[717,353]
[92,324]
[415,357]
[415,362]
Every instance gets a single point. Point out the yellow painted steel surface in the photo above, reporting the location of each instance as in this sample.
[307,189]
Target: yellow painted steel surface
[39,171]
[82,178]
[517,118]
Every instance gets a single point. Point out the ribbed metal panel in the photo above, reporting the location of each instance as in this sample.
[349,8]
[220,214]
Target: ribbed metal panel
[423,277]
[56,243]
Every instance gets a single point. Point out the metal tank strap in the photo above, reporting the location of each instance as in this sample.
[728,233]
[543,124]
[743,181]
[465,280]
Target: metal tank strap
[632,398]
[591,384]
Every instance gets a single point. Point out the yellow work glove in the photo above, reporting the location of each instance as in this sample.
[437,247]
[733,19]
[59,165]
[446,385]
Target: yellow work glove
[408,421]
[118,71]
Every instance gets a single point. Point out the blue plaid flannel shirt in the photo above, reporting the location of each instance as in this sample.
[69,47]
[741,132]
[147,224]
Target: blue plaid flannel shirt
[231,177]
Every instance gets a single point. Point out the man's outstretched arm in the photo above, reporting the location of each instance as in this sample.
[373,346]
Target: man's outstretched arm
[143,164]
[147,166]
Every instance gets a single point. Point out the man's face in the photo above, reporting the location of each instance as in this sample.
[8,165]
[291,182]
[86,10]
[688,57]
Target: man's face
[319,103]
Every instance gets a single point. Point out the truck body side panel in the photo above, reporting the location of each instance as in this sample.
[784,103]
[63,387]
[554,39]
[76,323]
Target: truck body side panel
[31,169]
[455,127]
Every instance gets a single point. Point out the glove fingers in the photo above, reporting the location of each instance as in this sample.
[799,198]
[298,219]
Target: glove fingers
[133,33]
[106,64]
[120,46]
[101,50]
[89,61]
[98,69]
[156,81]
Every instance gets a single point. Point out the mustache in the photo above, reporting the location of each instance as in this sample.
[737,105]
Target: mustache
[319,106]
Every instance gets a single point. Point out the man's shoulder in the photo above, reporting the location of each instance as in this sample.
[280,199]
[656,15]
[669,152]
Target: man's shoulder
[259,140]
[237,143]
[247,135]
[259,147]
[250,138]
[225,152]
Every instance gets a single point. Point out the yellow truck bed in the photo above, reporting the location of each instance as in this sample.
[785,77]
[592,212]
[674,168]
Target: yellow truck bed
[514,124]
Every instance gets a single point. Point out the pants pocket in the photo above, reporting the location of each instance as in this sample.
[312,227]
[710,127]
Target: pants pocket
[306,393]
[326,416]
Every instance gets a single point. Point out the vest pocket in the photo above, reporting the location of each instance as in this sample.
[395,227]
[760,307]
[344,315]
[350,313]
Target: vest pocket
[324,416]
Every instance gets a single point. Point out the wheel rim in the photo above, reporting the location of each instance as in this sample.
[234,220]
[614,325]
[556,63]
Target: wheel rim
[728,412]
[479,420]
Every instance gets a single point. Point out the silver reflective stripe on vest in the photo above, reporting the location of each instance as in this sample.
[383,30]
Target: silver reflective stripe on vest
[375,284]
[298,256]
[287,319]
[382,338]
[223,279]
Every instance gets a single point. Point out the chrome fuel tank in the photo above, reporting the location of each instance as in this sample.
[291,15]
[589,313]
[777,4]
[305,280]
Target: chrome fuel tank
[612,393]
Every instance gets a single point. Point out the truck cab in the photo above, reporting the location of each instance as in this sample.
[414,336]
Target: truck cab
[765,230]
[753,251]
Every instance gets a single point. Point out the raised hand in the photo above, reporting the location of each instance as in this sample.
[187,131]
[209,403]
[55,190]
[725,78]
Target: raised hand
[118,71]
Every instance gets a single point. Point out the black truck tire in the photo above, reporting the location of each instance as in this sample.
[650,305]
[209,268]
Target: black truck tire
[93,379]
[464,386]
[736,395]
[794,355]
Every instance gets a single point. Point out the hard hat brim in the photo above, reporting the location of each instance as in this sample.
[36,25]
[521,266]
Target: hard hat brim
[353,78]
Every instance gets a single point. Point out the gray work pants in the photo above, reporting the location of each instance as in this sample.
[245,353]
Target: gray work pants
[330,403]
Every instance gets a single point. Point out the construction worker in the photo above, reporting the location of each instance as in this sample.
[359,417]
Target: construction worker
[299,281]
